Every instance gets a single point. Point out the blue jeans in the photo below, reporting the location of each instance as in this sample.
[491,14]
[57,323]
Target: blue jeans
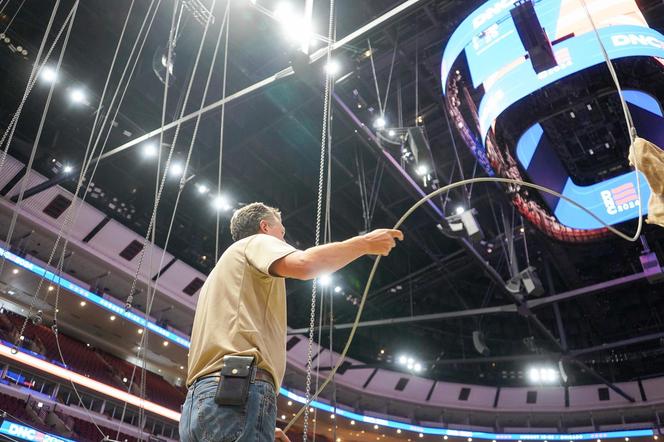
[204,421]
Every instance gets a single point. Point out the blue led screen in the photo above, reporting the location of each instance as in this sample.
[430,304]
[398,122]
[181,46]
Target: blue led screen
[613,200]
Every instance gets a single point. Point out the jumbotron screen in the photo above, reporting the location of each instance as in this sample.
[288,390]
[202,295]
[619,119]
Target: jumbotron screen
[502,73]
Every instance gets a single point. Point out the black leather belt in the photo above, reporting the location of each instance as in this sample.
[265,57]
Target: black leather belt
[258,375]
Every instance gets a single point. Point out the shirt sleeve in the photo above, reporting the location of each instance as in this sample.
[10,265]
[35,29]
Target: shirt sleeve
[263,250]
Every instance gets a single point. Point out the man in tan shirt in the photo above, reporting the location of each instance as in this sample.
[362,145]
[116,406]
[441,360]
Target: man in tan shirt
[241,311]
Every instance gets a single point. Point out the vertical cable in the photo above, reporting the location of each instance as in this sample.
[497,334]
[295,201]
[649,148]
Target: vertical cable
[221,130]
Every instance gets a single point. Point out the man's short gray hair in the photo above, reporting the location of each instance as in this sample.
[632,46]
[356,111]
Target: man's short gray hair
[247,220]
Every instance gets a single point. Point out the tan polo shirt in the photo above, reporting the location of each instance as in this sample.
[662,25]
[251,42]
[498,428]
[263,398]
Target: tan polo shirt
[241,310]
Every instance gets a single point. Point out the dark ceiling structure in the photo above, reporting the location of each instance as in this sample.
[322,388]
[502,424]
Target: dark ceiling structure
[607,323]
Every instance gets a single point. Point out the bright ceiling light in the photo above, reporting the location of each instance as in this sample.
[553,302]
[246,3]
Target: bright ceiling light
[417,367]
[379,123]
[403,360]
[337,289]
[325,280]
[202,188]
[459,210]
[48,74]
[67,169]
[220,202]
[332,67]
[149,150]
[112,318]
[77,96]
[543,375]
[293,24]
[422,170]
[176,170]
[391,132]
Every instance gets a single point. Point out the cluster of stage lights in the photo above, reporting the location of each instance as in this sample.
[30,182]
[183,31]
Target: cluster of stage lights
[77,95]
[410,364]
[543,375]
[219,202]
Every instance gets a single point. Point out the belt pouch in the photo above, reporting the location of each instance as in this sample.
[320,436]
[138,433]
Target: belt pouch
[236,375]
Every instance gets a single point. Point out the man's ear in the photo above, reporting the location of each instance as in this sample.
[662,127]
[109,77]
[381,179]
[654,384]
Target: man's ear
[262,226]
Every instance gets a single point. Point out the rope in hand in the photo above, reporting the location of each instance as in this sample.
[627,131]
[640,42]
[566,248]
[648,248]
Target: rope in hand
[406,215]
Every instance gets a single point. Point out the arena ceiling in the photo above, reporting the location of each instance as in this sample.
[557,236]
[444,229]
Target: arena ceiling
[271,153]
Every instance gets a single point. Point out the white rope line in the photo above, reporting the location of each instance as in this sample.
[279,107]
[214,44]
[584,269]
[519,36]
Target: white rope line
[410,211]
[631,130]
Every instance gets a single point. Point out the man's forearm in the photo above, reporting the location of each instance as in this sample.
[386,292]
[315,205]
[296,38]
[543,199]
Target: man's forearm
[331,257]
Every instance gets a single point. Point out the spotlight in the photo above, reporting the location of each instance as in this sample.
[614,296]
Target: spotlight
[332,68]
[176,170]
[112,318]
[150,150]
[165,343]
[337,289]
[325,280]
[48,75]
[530,281]
[391,132]
[534,375]
[462,224]
[403,360]
[220,202]
[543,375]
[293,24]
[422,170]
[15,271]
[83,303]
[77,96]
[202,188]
[379,123]
[67,169]
[417,367]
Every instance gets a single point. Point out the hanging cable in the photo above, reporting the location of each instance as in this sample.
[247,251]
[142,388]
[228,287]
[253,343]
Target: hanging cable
[13,17]
[32,79]
[221,137]
[33,152]
[389,78]
[319,208]
[5,5]
[375,78]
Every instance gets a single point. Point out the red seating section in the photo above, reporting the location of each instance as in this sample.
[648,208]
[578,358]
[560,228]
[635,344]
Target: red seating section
[95,363]
[89,433]
[84,431]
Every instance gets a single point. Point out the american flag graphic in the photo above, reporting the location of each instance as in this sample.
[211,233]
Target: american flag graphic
[624,194]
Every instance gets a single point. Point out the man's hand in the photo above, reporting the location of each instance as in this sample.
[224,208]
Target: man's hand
[280,436]
[381,241]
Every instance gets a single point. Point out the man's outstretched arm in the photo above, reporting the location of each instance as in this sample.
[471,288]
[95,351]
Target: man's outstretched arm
[328,258]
